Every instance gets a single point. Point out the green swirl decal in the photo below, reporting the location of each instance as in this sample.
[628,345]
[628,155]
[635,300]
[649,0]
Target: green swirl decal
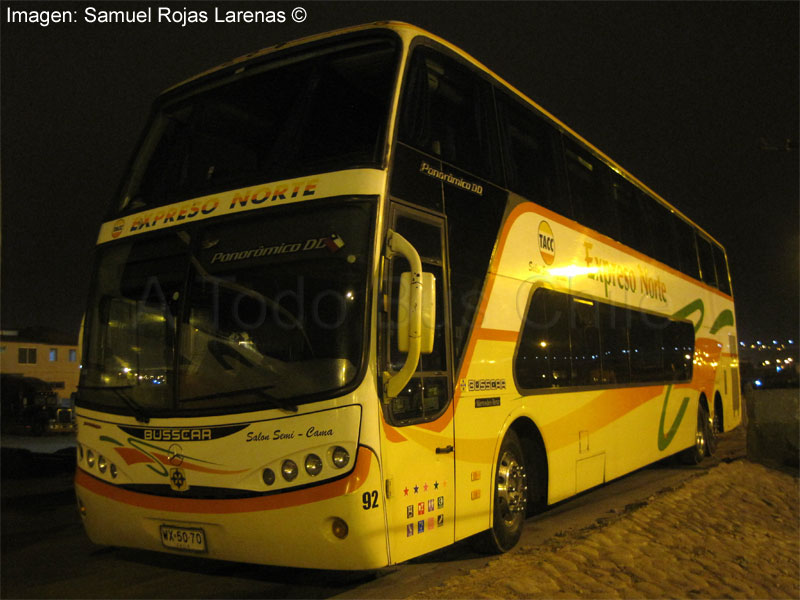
[690,308]
[724,319]
[140,445]
[664,439]
[161,470]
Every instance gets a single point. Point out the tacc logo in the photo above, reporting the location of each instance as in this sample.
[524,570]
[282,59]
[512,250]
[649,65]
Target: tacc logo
[547,243]
[119,225]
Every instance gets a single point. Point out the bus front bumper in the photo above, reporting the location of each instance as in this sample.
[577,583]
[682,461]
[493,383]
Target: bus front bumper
[302,528]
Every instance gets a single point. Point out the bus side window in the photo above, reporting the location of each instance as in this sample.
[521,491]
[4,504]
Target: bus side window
[448,112]
[632,227]
[528,147]
[660,227]
[614,344]
[587,178]
[575,342]
[678,338]
[543,357]
[584,336]
[721,265]
[646,347]
[706,261]
[685,240]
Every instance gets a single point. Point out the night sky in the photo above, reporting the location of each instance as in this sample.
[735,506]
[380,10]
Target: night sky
[680,94]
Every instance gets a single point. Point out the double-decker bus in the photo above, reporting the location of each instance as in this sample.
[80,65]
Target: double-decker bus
[358,298]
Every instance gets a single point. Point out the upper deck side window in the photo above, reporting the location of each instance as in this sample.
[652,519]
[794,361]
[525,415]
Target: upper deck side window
[531,151]
[706,256]
[721,264]
[448,112]
[589,189]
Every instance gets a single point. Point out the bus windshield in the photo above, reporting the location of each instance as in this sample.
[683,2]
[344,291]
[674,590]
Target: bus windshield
[245,313]
[317,111]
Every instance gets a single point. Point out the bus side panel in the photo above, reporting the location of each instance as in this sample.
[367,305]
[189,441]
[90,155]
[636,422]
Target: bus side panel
[590,436]
[484,397]
[720,325]
[420,507]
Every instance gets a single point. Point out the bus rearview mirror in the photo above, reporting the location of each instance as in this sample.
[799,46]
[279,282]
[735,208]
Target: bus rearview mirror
[427,309]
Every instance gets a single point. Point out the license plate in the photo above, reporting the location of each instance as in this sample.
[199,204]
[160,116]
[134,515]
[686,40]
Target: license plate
[183,538]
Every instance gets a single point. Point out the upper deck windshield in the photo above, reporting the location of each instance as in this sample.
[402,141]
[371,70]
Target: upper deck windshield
[311,111]
[243,313]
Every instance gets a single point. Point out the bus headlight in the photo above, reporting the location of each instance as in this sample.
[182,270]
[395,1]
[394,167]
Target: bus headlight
[313,465]
[268,476]
[102,464]
[90,458]
[340,457]
[113,470]
[289,470]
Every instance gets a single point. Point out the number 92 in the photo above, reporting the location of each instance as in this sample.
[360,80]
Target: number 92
[370,499]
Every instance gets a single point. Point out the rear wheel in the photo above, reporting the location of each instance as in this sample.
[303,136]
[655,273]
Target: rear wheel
[711,434]
[510,497]
[719,424]
[703,442]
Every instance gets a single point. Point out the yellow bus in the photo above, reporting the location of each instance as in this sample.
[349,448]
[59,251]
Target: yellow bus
[359,298]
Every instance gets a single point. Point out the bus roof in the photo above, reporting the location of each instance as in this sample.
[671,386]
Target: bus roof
[408,31]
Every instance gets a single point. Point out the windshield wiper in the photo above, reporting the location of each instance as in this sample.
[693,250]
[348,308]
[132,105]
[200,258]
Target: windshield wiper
[138,410]
[260,390]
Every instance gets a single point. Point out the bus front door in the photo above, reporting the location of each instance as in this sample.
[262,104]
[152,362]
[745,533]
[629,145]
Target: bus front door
[417,433]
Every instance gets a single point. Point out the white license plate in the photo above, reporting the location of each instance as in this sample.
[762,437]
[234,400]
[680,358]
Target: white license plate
[183,538]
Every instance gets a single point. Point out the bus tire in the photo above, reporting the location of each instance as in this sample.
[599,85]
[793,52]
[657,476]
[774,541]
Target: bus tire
[719,423]
[711,434]
[509,497]
[695,454]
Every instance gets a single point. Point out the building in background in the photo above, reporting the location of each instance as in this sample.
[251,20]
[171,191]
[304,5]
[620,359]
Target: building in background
[45,354]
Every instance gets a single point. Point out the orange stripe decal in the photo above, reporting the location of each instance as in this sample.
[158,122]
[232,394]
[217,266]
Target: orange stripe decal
[391,433]
[498,335]
[319,493]
[441,423]
[484,302]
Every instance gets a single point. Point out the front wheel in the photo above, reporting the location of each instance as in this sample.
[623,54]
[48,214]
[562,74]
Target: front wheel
[510,498]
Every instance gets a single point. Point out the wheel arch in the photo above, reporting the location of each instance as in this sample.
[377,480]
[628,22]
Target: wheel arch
[703,401]
[535,453]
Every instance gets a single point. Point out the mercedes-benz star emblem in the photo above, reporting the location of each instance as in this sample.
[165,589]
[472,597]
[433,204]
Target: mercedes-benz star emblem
[175,455]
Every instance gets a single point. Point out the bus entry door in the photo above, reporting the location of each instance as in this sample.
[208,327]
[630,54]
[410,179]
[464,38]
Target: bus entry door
[417,433]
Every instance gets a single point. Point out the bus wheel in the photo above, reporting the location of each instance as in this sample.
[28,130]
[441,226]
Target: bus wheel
[719,426]
[695,454]
[711,435]
[510,496]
